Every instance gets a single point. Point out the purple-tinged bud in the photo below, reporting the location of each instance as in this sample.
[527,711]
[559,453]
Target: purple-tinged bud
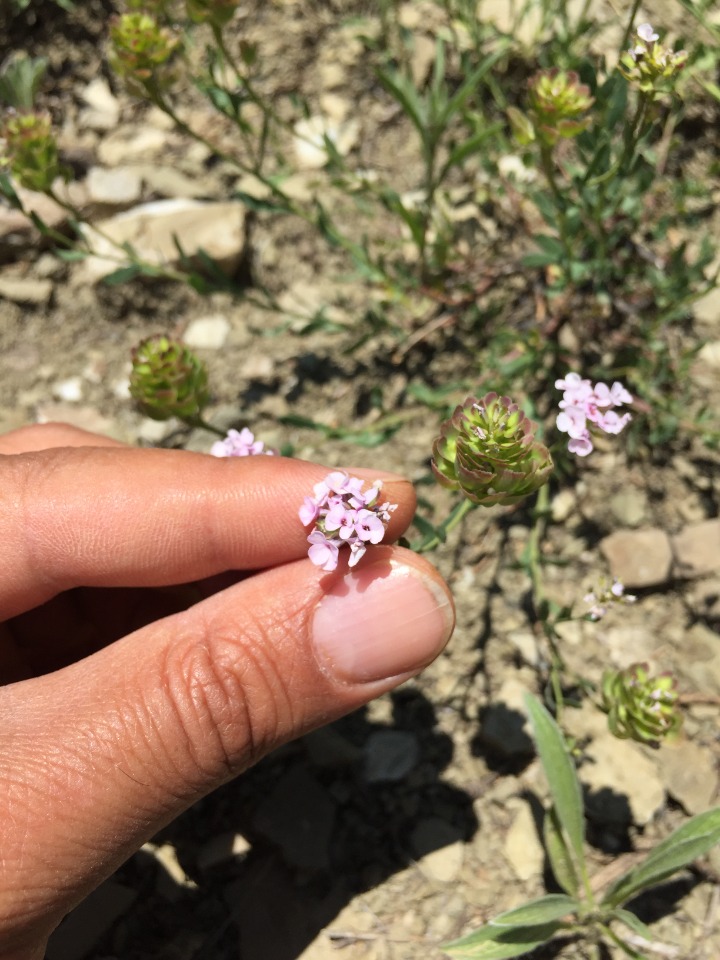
[641,707]
[30,150]
[168,380]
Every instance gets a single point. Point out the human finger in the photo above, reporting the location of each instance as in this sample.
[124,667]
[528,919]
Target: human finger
[110,749]
[121,516]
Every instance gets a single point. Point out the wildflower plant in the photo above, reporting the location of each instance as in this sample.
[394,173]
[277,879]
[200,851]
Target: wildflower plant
[640,706]
[168,380]
[579,913]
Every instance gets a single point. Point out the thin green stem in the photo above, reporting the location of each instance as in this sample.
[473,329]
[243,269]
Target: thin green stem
[546,159]
[630,24]
[200,423]
[455,516]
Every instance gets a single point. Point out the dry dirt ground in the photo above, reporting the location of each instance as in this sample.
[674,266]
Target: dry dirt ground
[409,822]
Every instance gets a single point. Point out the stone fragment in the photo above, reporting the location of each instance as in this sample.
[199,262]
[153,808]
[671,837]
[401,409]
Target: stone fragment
[624,783]
[504,726]
[523,849]
[221,849]
[638,558]
[390,755]
[310,135]
[709,353]
[705,599]
[70,390]
[153,229]
[697,549]
[102,110]
[169,182]
[173,877]
[629,506]
[422,58]
[129,143]
[87,418]
[119,187]
[563,505]
[438,847]
[80,930]
[689,774]
[25,289]
[707,308]
[700,661]
[16,230]
[207,333]
[299,816]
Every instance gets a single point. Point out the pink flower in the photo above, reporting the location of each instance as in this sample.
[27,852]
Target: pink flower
[584,406]
[343,514]
[240,443]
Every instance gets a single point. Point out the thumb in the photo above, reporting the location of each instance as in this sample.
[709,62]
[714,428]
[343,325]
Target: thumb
[111,749]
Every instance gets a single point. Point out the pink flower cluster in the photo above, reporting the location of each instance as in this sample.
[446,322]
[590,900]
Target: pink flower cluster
[343,514]
[584,407]
[606,596]
[239,443]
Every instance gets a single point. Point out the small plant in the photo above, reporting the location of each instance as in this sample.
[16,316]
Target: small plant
[579,912]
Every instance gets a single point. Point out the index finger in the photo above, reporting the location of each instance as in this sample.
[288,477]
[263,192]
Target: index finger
[120,516]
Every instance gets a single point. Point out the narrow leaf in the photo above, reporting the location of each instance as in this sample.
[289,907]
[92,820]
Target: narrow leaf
[561,776]
[560,858]
[122,275]
[554,906]
[488,944]
[634,923]
[690,841]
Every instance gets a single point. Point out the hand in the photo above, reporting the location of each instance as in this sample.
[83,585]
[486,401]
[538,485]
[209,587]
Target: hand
[142,672]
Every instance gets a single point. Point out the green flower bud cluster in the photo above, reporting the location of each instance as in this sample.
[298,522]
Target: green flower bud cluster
[641,707]
[488,450]
[556,104]
[650,66]
[215,12]
[30,151]
[140,51]
[168,380]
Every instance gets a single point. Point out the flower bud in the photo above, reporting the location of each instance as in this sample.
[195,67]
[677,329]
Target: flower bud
[488,450]
[650,66]
[556,103]
[215,12]
[168,380]
[30,150]
[139,53]
[641,707]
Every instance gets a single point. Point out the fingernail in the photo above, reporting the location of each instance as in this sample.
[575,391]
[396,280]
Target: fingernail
[381,621]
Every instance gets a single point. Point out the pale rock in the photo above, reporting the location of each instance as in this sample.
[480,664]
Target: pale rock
[208,333]
[152,229]
[563,505]
[438,847]
[638,558]
[705,599]
[332,75]
[526,645]
[707,308]
[299,816]
[506,17]
[25,290]
[629,506]
[155,431]
[103,109]
[710,354]
[81,929]
[70,390]
[689,774]
[119,187]
[166,181]
[422,58]
[504,725]
[222,849]
[619,770]
[172,879]
[697,549]
[16,230]
[257,367]
[700,661]
[390,755]
[309,140]
[129,143]
[253,187]
[511,166]
[522,848]
[335,107]
[48,266]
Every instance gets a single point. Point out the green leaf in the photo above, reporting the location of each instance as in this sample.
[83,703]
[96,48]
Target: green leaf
[122,275]
[633,923]
[467,148]
[562,779]
[550,245]
[457,101]
[402,90]
[560,858]
[690,841]
[8,191]
[489,944]
[533,260]
[554,906]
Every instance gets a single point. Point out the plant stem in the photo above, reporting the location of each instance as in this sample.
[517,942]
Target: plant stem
[629,27]
[452,520]
[546,160]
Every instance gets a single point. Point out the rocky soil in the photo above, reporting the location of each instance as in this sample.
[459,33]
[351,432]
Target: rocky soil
[410,822]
